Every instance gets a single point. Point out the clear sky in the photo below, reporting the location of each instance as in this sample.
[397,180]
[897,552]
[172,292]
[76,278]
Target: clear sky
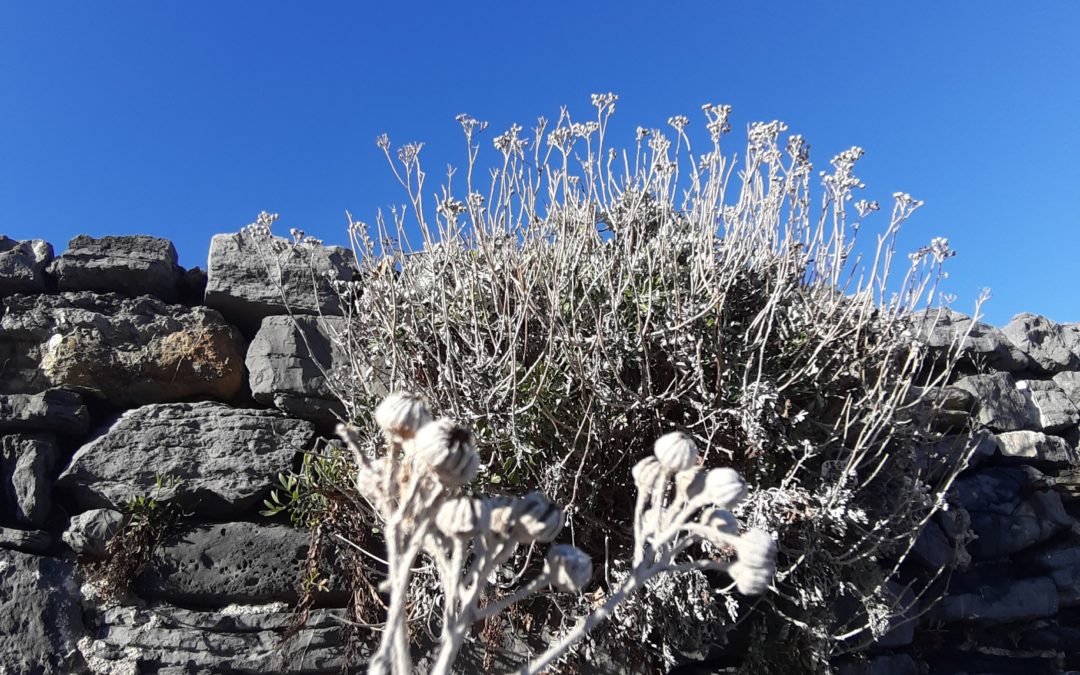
[185,119]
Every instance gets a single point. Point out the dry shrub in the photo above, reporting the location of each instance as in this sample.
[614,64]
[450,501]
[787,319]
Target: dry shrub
[586,299]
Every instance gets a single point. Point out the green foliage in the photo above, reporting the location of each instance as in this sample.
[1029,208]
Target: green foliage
[148,520]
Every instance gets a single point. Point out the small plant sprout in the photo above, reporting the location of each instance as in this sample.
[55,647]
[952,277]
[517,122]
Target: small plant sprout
[417,490]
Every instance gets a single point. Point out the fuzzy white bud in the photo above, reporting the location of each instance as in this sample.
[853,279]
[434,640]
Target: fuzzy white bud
[724,487]
[503,515]
[647,473]
[450,450]
[755,564]
[402,414]
[568,568]
[676,451]
[463,517]
[538,519]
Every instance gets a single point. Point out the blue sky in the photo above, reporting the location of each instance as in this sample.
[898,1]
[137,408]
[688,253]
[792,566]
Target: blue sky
[184,119]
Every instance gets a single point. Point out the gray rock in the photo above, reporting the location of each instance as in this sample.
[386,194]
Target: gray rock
[131,266]
[89,532]
[1069,382]
[250,278]
[225,458]
[22,265]
[933,550]
[27,541]
[1001,407]
[1011,510]
[217,565]
[26,465]
[56,411]
[1035,448]
[938,458]
[1021,600]
[1048,406]
[241,638]
[40,617]
[945,408]
[982,343]
[128,351]
[1052,346]
[1060,562]
[287,363]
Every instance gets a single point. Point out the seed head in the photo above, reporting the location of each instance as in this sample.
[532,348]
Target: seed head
[675,451]
[724,487]
[538,519]
[450,450]
[568,568]
[402,414]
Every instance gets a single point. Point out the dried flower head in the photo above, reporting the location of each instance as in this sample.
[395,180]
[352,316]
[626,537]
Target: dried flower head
[647,473]
[450,450]
[676,451]
[538,519]
[568,568]
[724,487]
[755,565]
[463,517]
[402,414]
[502,512]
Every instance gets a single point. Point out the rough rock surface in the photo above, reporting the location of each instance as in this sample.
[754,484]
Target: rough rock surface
[225,458]
[1011,509]
[240,638]
[249,279]
[1021,600]
[26,465]
[1053,347]
[56,411]
[287,361]
[1060,562]
[1001,406]
[40,617]
[22,265]
[27,541]
[1049,408]
[88,532]
[983,344]
[219,564]
[1035,448]
[131,266]
[128,351]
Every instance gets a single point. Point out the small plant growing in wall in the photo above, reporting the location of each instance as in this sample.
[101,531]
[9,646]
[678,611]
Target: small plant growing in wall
[148,519]
[419,487]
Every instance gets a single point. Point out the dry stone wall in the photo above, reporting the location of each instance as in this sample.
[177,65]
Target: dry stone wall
[119,366]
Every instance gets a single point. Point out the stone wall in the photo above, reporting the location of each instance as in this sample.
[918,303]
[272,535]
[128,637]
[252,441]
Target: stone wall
[119,367]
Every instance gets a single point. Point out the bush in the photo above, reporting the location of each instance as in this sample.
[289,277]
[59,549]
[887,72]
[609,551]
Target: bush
[588,299]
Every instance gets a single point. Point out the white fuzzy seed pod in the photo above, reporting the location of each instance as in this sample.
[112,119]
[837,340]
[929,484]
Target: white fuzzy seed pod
[647,473]
[568,568]
[538,519]
[402,414]
[463,517]
[676,451]
[724,487]
[450,450]
[503,515]
[755,564]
